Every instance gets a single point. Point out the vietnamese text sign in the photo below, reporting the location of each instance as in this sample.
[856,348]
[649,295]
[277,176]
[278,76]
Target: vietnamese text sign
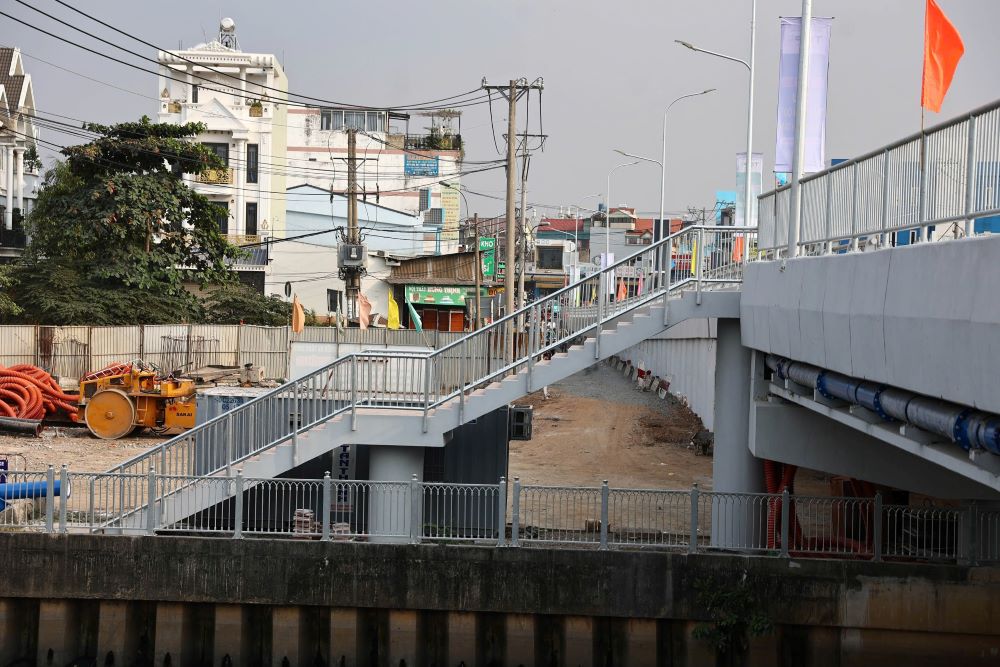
[487,256]
[415,166]
[436,295]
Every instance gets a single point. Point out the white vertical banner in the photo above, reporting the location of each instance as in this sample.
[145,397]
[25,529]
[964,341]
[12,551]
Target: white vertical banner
[756,181]
[788,80]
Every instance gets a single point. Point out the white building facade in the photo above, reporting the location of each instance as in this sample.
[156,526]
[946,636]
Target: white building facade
[19,164]
[242,99]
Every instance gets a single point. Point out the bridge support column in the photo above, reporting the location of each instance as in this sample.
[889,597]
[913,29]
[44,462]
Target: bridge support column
[390,507]
[737,521]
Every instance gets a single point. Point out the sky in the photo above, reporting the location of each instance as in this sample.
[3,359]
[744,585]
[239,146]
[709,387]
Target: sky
[609,70]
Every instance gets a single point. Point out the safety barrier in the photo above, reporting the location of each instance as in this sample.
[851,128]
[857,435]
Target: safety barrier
[928,186]
[502,514]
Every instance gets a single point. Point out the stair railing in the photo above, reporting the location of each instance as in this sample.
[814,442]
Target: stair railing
[701,257]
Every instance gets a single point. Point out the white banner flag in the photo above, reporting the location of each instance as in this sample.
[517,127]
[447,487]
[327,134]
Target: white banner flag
[788,81]
[756,178]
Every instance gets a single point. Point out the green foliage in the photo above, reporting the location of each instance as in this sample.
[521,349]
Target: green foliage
[116,232]
[737,612]
[8,308]
[236,303]
[31,160]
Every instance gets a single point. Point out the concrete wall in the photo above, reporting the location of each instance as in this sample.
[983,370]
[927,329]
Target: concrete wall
[263,601]
[924,317]
[684,354]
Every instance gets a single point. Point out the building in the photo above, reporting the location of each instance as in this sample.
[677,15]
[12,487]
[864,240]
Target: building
[441,290]
[242,99]
[307,257]
[19,163]
[407,163]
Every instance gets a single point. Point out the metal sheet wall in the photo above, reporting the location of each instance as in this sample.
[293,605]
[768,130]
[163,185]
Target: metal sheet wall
[266,347]
[17,345]
[689,364]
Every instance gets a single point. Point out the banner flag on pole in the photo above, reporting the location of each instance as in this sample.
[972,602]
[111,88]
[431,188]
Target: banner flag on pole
[393,319]
[943,49]
[415,317]
[788,81]
[298,315]
[364,311]
[622,290]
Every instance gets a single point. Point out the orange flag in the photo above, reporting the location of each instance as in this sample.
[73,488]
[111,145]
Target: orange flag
[943,49]
[622,290]
[298,315]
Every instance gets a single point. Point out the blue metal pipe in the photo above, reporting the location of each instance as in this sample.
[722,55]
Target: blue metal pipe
[22,490]
[970,428]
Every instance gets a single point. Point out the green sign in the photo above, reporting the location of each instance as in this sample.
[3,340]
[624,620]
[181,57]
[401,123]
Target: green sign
[487,256]
[501,270]
[434,295]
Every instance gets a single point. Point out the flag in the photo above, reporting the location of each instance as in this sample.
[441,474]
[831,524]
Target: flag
[298,315]
[622,290]
[943,49]
[364,311]
[638,291]
[694,257]
[415,317]
[393,313]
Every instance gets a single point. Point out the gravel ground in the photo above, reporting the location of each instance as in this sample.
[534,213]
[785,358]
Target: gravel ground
[600,381]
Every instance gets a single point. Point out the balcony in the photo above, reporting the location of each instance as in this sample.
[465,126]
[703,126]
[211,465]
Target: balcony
[425,142]
[13,238]
[216,176]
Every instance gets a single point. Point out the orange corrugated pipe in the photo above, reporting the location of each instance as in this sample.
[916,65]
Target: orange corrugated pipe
[29,392]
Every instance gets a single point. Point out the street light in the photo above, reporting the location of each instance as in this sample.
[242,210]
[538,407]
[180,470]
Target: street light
[607,210]
[749,66]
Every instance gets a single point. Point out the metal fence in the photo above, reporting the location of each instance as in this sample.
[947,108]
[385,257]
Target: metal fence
[502,514]
[72,351]
[928,186]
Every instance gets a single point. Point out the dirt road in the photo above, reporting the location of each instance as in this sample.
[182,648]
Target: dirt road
[597,426]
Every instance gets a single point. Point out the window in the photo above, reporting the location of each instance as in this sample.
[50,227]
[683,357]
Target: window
[194,93]
[434,216]
[251,218]
[331,119]
[252,159]
[425,199]
[222,218]
[354,120]
[550,257]
[376,121]
[222,150]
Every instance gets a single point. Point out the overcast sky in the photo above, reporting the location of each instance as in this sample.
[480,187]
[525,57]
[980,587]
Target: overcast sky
[609,70]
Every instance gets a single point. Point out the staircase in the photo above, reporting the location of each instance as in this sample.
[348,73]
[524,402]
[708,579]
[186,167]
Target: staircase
[415,399]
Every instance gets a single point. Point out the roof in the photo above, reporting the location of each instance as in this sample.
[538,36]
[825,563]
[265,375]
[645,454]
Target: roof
[562,224]
[643,225]
[623,210]
[12,84]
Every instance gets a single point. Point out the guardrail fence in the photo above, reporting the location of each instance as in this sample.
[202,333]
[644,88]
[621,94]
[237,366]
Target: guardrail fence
[926,186]
[504,514]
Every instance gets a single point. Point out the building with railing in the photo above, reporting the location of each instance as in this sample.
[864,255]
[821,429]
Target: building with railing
[415,172]
[19,163]
[242,100]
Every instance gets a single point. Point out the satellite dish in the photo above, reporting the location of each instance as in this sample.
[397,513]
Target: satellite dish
[288,288]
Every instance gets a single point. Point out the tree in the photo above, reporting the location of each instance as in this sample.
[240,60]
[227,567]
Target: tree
[236,303]
[7,306]
[116,233]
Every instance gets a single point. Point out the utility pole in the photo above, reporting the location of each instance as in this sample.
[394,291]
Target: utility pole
[352,279]
[479,269]
[522,265]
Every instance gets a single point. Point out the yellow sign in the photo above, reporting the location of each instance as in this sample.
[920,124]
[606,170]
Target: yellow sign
[452,208]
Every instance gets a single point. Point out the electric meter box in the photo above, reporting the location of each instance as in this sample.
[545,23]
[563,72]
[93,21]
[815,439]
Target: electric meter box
[352,255]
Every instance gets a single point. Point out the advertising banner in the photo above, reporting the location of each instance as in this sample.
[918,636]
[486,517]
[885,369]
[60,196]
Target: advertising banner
[788,81]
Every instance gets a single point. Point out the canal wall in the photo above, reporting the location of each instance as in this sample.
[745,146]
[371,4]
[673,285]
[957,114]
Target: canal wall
[82,599]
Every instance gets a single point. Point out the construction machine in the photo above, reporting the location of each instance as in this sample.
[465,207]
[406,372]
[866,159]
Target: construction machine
[122,398]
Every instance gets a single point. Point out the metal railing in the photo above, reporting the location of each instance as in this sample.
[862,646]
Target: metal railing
[944,178]
[421,382]
[502,514]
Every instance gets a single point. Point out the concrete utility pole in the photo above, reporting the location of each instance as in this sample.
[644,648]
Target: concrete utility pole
[352,279]
[479,270]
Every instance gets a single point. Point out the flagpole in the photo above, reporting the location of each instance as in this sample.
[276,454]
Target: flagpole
[922,169]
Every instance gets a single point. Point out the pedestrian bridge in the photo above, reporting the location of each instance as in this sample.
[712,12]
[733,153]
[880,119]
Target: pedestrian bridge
[868,298]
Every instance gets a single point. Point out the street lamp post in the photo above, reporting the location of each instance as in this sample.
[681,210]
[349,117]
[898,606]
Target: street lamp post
[749,65]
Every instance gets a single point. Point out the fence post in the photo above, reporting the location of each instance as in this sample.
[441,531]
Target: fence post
[50,496]
[501,516]
[829,214]
[230,445]
[922,202]
[604,514]
[427,389]
[151,502]
[967,538]
[877,532]
[63,494]
[326,505]
[416,515]
[785,512]
[854,209]
[693,536]
[91,511]
[601,298]
[883,237]
[533,315]
[697,256]
[238,505]
[296,421]
[354,392]
[463,368]
[515,516]
[970,178]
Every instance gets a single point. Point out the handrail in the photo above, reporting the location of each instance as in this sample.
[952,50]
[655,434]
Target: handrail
[405,381]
